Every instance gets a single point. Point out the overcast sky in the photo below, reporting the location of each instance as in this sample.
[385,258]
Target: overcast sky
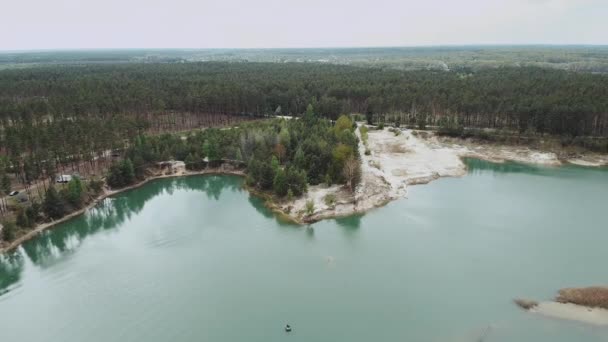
[50,24]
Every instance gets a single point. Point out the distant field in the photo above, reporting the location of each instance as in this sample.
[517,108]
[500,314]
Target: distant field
[574,58]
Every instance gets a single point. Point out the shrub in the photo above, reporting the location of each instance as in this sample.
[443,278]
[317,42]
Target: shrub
[289,195]
[328,181]
[8,231]
[363,130]
[22,219]
[330,200]
[310,207]
[96,185]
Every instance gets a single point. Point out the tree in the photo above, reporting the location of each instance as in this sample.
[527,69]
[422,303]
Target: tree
[299,160]
[210,150]
[121,174]
[274,163]
[190,162]
[53,205]
[22,219]
[128,172]
[8,231]
[74,193]
[33,212]
[280,185]
[266,176]
[279,152]
[310,110]
[114,177]
[297,181]
[6,183]
[352,173]
[343,123]
[369,117]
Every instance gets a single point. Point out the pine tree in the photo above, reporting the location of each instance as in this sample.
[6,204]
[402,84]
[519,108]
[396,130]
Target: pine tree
[74,194]
[6,183]
[128,172]
[8,231]
[53,205]
[22,219]
[280,185]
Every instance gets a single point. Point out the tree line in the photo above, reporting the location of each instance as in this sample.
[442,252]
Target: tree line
[282,156]
[521,99]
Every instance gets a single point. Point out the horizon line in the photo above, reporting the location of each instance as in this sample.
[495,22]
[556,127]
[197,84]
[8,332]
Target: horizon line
[66,49]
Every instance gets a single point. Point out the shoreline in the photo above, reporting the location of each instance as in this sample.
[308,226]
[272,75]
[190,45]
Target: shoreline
[586,305]
[396,162]
[105,194]
[399,160]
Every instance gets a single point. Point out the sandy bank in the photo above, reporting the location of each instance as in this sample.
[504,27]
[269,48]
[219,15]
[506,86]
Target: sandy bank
[500,153]
[408,158]
[587,304]
[395,162]
[573,312]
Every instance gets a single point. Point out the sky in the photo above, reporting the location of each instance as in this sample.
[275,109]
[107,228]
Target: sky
[77,24]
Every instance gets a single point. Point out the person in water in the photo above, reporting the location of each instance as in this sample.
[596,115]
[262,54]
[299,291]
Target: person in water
[288,328]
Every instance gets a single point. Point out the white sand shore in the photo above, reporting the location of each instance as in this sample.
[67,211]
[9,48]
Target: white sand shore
[595,316]
[396,161]
[412,157]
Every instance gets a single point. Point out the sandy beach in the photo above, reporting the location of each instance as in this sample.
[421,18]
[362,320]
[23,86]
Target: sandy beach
[573,312]
[409,158]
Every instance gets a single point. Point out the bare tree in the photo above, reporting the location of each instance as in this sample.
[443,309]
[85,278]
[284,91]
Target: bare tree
[352,172]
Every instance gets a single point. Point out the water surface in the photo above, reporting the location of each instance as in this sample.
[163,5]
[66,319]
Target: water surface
[198,259]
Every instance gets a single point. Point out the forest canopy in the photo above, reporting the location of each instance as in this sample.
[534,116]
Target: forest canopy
[523,99]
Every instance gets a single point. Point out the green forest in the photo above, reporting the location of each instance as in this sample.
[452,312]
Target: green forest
[521,99]
[114,121]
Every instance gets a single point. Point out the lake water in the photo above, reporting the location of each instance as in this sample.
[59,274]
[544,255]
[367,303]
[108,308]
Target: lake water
[199,259]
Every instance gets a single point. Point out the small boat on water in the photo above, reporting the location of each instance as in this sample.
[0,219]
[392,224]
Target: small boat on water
[287,328]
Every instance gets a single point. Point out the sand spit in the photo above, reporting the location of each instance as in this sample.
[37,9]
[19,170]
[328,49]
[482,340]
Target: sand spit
[573,312]
[588,305]
[396,161]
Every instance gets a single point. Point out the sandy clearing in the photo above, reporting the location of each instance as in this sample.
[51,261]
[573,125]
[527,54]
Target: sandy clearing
[396,161]
[409,158]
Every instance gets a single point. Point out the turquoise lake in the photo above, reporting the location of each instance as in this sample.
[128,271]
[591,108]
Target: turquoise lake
[199,259]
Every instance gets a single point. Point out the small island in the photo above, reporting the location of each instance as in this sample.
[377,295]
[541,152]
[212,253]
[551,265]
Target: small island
[587,305]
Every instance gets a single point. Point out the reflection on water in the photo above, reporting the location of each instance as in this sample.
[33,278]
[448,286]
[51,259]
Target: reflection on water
[477,166]
[110,214]
[350,223]
[189,259]
[11,266]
